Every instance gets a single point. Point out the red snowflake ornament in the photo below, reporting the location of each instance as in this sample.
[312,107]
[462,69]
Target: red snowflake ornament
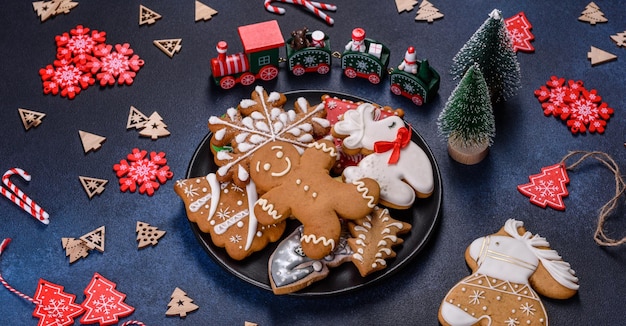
[55,307]
[109,65]
[64,77]
[519,30]
[139,170]
[548,187]
[104,304]
[78,45]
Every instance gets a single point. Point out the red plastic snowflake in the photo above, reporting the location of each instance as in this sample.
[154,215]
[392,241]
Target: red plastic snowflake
[580,108]
[103,303]
[55,307]
[108,65]
[64,76]
[147,173]
[548,187]
[78,46]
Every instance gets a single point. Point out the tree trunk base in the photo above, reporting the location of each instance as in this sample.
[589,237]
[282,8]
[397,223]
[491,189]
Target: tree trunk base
[468,155]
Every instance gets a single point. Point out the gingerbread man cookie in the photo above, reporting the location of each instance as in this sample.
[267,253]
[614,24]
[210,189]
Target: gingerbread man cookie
[507,268]
[400,166]
[301,186]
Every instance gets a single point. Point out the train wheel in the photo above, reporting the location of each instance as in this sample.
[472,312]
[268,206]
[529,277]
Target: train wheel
[323,69]
[247,79]
[298,70]
[417,99]
[268,73]
[373,78]
[395,88]
[350,73]
[227,82]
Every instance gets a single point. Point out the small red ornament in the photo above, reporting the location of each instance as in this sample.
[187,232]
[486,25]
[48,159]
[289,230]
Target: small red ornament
[104,304]
[519,29]
[55,307]
[548,187]
[147,172]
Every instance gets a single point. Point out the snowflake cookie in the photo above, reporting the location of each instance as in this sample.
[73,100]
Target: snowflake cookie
[143,171]
[509,269]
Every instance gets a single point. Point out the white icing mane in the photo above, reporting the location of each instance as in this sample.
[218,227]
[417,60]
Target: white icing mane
[560,270]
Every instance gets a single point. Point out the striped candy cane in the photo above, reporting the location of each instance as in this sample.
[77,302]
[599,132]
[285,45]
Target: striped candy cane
[19,198]
[3,246]
[312,6]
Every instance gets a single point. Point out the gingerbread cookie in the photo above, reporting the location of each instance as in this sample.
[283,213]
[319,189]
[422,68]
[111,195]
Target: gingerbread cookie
[373,238]
[301,186]
[290,270]
[258,121]
[224,210]
[507,268]
[400,166]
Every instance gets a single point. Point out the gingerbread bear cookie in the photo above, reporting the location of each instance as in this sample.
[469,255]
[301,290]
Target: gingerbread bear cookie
[301,186]
[507,268]
[400,166]
[373,238]
[225,211]
[258,121]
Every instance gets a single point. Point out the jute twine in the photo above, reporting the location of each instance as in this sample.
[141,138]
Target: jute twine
[600,236]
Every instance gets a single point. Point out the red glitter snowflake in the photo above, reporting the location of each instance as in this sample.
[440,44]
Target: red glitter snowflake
[147,173]
[580,108]
[108,65]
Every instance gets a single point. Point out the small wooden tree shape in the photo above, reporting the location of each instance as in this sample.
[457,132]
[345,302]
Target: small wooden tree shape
[598,56]
[75,248]
[147,234]
[204,12]
[467,119]
[491,47]
[154,127]
[427,12]
[405,5]
[136,119]
[169,46]
[92,186]
[619,39]
[95,239]
[30,118]
[147,16]
[592,14]
[91,142]
[180,304]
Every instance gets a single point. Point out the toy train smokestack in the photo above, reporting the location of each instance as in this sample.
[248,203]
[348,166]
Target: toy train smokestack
[222,48]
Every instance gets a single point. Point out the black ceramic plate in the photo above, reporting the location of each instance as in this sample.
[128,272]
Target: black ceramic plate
[422,216]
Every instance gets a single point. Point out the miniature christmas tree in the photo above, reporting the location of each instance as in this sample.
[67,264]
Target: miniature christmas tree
[180,304]
[427,12]
[592,14]
[154,127]
[492,49]
[619,39]
[147,234]
[467,119]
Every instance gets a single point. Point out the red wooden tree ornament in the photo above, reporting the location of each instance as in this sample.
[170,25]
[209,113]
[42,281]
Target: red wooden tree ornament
[104,304]
[55,307]
[519,29]
[548,187]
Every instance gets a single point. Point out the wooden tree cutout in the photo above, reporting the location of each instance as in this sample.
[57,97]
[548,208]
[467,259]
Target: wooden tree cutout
[619,39]
[405,5]
[47,9]
[136,119]
[427,12]
[147,234]
[95,239]
[592,14]
[204,12]
[30,118]
[147,16]
[75,248]
[169,46]
[154,127]
[180,304]
[91,142]
[92,186]
[598,56]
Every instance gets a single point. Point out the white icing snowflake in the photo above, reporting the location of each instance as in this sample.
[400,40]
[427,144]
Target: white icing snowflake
[236,188]
[181,183]
[511,321]
[190,191]
[476,296]
[331,105]
[528,309]
[235,238]
[223,213]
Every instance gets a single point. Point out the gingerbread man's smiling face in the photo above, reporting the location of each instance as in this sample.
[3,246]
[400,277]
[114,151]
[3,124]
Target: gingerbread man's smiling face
[273,162]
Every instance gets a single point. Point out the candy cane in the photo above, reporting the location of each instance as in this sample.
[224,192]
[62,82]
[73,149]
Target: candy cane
[313,6]
[3,246]
[133,322]
[19,198]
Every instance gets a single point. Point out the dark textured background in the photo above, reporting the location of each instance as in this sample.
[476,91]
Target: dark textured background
[477,199]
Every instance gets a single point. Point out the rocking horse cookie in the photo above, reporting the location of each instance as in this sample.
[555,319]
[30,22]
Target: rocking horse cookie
[400,166]
[302,187]
[509,268]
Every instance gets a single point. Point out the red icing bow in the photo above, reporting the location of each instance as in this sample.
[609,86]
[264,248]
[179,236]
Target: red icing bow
[403,138]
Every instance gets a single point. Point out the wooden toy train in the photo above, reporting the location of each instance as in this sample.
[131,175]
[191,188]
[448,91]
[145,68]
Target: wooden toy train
[311,52]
